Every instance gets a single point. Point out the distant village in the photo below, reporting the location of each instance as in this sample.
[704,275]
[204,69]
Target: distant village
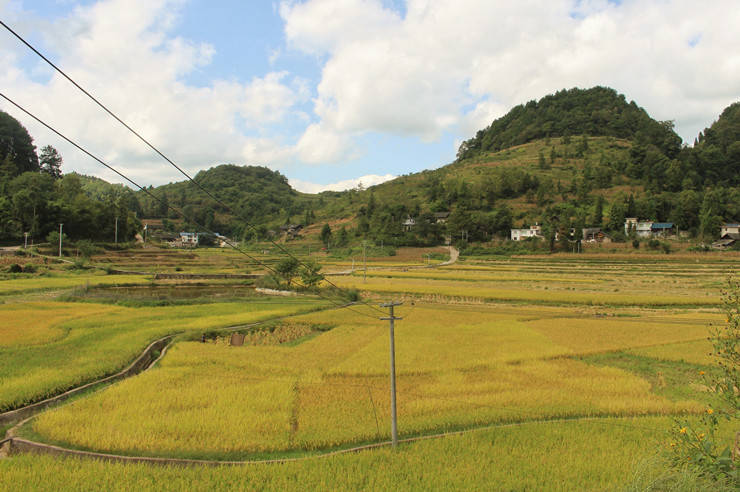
[633,227]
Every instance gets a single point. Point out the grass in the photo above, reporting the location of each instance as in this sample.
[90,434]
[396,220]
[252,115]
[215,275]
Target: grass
[566,339]
[212,400]
[621,453]
[18,285]
[544,296]
[105,340]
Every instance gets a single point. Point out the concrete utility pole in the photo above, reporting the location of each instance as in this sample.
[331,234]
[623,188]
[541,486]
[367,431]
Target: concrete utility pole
[392,318]
[25,240]
[364,260]
[60,240]
[116,238]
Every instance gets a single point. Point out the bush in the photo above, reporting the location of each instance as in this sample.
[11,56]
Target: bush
[697,446]
[666,248]
[15,268]
[86,248]
[29,268]
[636,243]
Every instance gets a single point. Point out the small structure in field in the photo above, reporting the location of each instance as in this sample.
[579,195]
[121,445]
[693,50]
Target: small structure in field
[727,241]
[729,228]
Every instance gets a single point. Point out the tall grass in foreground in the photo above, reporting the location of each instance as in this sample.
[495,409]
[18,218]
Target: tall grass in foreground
[613,454]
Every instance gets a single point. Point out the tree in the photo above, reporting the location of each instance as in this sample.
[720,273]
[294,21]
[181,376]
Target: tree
[51,162]
[541,161]
[16,143]
[310,276]
[343,238]
[288,269]
[325,235]
[598,212]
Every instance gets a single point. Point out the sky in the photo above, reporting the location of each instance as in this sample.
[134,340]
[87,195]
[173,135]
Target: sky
[333,93]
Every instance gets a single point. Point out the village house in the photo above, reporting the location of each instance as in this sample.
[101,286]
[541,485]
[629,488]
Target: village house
[291,230]
[648,229]
[729,228]
[595,235]
[727,241]
[441,217]
[408,224]
[533,231]
[189,239]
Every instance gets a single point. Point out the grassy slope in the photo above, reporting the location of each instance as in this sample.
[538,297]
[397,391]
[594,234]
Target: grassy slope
[409,188]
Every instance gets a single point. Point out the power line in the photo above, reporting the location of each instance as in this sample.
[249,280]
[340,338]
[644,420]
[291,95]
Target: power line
[169,207]
[156,150]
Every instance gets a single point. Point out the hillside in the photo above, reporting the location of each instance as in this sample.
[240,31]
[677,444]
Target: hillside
[573,159]
[598,111]
[253,194]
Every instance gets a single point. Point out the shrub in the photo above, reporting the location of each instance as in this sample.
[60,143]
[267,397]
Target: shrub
[15,268]
[29,268]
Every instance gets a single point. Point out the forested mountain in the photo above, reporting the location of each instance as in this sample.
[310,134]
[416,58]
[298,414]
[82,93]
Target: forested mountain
[252,194]
[598,111]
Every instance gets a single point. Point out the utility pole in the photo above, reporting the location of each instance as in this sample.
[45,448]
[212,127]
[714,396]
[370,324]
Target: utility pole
[60,240]
[25,240]
[392,318]
[116,239]
[364,260]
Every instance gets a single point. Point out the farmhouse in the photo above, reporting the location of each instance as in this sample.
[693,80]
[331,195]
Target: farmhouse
[728,240]
[648,229]
[729,228]
[662,229]
[291,230]
[189,239]
[533,231]
[408,224]
[441,217]
[595,235]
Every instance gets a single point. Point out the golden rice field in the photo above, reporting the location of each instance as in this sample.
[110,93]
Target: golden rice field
[51,346]
[609,454]
[20,285]
[458,367]
[519,351]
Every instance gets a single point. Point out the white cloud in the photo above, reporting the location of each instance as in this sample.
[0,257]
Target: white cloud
[126,54]
[366,182]
[420,75]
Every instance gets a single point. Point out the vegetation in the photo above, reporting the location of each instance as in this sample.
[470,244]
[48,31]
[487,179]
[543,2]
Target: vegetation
[68,344]
[536,456]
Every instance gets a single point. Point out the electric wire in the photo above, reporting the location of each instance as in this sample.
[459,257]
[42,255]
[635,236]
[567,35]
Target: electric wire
[156,150]
[169,207]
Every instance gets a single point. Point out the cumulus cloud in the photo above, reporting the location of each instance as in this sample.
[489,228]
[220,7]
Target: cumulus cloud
[347,184]
[452,65]
[126,54]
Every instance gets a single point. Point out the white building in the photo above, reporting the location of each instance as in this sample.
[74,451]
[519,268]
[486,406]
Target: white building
[533,231]
[730,228]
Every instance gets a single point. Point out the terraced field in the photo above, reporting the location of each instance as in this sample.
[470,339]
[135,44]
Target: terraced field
[580,363]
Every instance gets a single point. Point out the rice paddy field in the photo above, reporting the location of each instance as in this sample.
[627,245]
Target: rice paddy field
[544,373]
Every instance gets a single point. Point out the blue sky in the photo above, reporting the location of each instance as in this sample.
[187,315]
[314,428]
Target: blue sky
[331,92]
